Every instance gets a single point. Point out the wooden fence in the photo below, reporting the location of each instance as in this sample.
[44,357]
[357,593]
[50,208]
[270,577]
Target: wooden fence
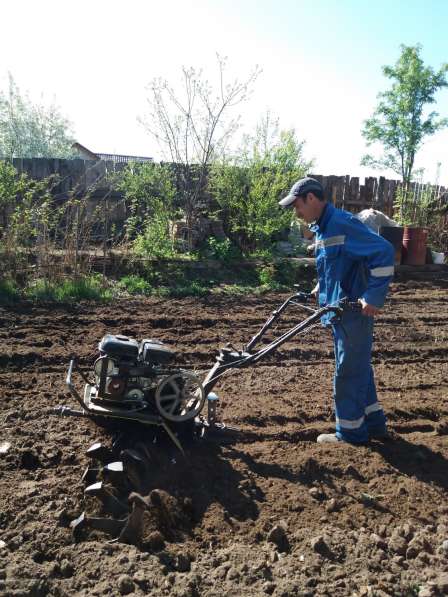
[378,193]
[88,176]
[74,176]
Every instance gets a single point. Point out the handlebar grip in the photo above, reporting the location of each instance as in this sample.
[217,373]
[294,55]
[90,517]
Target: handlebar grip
[351,306]
[303,297]
[68,380]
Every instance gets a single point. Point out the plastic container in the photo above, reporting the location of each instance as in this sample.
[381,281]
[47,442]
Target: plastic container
[438,257]
[394,234]
[414,245]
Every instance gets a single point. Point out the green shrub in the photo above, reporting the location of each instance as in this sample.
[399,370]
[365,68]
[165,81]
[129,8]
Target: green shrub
[149,192]
[9,292]
[248,185]
[266,274]
[155,241]
[286,273]
[223,250]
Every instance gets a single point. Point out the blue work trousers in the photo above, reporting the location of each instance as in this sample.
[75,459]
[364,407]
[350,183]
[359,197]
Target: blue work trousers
[358,412]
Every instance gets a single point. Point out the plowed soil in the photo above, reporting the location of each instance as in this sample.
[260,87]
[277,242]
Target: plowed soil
[261,511]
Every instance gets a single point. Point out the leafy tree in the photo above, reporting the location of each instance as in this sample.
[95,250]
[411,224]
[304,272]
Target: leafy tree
[399,122]
[249,185]
[194,125]
[32,130]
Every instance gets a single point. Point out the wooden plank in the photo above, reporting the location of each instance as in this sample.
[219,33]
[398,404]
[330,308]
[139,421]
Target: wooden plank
[331,185]
[339,198]
[394,186]
[27,166]
[362,197]
[369,185]
[374,192]
[380,193]
[346,190]
[353,197]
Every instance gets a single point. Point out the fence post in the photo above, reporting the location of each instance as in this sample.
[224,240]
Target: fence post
[105,232]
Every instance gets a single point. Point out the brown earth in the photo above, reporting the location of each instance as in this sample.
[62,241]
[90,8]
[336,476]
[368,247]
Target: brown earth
[266,511]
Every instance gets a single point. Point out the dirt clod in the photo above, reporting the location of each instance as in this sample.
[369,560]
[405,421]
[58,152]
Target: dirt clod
[125,584]
[66,569]
[277,535]
[320,544]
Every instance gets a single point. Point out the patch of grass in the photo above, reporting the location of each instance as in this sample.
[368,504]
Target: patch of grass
[282,273]
[180,286]
[161,292]
[136,285]
[272,287]
[193,288]
[69,290]
[234,289]
[254,289]
[9,292]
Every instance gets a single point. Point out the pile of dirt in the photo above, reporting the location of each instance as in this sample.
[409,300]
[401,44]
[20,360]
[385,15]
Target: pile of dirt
[262,511]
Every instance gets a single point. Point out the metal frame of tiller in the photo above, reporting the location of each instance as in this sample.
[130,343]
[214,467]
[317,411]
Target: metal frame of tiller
[227,359]
[116,412]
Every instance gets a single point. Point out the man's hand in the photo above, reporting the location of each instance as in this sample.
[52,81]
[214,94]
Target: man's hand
[368,310]
[310,249]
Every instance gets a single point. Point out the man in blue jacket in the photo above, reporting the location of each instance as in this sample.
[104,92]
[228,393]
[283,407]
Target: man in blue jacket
[354,263]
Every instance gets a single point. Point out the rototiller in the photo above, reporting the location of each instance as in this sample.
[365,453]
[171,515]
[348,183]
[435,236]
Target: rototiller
[137,381]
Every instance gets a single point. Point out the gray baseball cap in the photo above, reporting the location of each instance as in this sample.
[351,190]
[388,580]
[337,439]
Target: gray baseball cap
[301,187]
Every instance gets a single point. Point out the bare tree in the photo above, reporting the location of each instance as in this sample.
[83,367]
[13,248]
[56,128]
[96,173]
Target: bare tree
[193,125]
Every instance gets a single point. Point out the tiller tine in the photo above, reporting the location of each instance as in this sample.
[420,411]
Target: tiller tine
[98,451]
[115,473]
[109,501]
[106,525]
[136,467]
[133,529]
[90,475]
[78,526]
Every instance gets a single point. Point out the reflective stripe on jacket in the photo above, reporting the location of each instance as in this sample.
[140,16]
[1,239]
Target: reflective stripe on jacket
[352,260]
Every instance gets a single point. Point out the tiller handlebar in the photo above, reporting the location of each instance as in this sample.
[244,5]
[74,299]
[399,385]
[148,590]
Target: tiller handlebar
[230,358]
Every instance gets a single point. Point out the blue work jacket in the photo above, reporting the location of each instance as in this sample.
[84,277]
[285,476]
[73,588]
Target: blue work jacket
[352,261]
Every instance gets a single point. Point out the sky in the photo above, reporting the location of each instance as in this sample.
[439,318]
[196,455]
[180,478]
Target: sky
[321,65]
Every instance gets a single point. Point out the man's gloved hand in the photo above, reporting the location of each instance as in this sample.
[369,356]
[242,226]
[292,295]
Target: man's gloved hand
[368,310]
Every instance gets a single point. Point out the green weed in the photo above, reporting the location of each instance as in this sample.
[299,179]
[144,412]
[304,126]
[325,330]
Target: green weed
[69,290]
[193,288]
[9,292]
[135,285]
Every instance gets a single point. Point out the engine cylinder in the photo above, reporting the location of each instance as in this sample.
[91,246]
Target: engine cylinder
[115,386]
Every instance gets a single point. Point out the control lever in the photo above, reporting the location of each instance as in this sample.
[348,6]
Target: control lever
[302,297]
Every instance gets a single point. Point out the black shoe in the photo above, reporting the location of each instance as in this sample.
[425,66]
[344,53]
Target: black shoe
[380,435]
